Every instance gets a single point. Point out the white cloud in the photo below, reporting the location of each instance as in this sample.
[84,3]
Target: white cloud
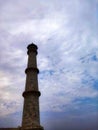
[10,100]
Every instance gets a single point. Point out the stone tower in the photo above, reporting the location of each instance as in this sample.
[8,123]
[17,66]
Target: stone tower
[31,117]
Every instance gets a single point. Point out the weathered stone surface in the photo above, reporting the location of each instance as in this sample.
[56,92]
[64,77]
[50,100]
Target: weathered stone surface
[31,118]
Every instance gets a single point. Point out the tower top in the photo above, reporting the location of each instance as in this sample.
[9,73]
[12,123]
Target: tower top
[32,48]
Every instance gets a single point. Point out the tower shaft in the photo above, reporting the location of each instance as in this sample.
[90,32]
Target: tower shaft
[31,117]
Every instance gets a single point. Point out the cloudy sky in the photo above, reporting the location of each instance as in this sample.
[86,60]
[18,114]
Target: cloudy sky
[66,33]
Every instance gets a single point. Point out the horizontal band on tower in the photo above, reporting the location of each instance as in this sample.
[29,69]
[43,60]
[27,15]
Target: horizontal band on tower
[32,50]
[32,69]
[35,93]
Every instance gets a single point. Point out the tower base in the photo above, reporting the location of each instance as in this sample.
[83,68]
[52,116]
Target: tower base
[35,128]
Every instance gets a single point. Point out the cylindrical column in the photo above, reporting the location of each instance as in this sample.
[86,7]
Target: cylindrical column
[31,119]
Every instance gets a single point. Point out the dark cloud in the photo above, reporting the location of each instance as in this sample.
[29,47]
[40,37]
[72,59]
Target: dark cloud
[12,120]
[63,121]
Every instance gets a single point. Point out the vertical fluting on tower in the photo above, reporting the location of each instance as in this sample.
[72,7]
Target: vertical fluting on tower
[31,119]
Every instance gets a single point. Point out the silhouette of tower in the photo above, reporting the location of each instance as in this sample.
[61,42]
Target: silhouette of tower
[31,117]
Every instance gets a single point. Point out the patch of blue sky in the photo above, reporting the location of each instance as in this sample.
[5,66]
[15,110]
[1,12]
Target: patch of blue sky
[78,107]
[61,93]
[89,80]
[86,100]
[86,105]
[54,114]
[95,84]
[92,57]
[45,72]
[87,77]
[79,111]
[72,110]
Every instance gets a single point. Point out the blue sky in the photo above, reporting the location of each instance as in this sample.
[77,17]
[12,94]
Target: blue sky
[66,34]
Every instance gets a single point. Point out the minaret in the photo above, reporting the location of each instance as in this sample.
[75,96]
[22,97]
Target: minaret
[31,117]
